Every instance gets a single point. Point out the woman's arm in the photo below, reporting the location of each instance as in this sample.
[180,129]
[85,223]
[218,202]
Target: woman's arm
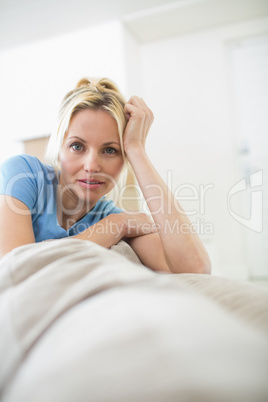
[114,227]
[17,230]
[180,246]
[150,251]
[15,223]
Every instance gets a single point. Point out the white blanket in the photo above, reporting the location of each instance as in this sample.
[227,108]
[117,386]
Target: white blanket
[82,323]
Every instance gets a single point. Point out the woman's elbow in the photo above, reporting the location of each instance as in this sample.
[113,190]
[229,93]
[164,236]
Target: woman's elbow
[203,266]
[199,265]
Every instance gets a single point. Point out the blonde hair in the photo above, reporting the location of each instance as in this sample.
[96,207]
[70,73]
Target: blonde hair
[89,94]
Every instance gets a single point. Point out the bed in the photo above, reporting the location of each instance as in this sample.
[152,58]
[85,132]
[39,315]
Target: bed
[82,323]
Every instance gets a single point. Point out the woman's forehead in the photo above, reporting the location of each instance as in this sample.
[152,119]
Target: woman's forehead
[90,123]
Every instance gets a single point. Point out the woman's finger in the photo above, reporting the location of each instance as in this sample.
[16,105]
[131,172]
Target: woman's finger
[140,104]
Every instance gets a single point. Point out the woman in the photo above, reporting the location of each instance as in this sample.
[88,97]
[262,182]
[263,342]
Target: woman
[97,136]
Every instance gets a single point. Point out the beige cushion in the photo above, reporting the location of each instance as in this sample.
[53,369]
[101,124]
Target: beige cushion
[245,300]
[82,323]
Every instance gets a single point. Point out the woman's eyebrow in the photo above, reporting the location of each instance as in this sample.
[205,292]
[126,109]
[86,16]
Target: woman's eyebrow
[84,141]
[78,138]
[111,142]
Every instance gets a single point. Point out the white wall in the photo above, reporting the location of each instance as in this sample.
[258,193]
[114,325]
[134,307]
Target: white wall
[34,78]
[188,86]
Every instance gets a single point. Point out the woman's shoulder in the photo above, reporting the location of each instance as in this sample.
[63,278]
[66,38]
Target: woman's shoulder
[23,163]
[22,159]
[26,178]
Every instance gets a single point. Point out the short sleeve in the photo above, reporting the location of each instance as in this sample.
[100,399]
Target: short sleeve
[19,180]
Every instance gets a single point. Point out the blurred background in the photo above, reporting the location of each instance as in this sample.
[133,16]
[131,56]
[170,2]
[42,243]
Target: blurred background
[202,67]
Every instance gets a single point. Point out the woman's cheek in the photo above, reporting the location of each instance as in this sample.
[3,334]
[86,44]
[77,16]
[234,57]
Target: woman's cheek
[68,161]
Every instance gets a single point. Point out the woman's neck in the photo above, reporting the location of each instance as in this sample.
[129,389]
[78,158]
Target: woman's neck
[70,209]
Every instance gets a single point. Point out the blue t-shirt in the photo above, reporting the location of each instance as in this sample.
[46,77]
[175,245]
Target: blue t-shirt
[35,184]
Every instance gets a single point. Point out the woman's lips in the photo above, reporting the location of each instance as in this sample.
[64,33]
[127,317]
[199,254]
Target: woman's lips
[90,184]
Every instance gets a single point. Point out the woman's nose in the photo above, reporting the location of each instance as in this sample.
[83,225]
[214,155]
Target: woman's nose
[92,162]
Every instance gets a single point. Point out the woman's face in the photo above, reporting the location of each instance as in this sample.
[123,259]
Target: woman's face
[91,158]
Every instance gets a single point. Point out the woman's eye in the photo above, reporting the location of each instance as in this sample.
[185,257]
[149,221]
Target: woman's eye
[76,147]
[110,150]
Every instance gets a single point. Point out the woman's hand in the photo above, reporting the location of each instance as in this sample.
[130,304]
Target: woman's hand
[140,119]
[135,225]
[114,227]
